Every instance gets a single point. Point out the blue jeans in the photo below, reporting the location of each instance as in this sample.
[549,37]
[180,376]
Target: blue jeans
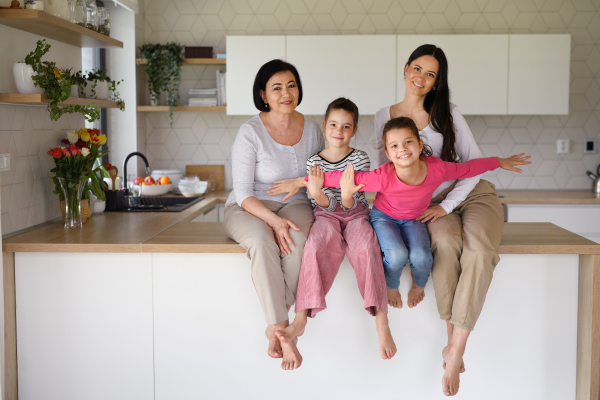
[401,240]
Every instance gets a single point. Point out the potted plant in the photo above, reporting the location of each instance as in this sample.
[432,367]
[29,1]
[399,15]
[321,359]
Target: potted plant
[163,66]
[74,169]
[102,87]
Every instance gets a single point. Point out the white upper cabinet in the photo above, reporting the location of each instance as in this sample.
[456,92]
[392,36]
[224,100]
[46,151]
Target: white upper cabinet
[361,68]
[477,69]
[538,77]
[245,56]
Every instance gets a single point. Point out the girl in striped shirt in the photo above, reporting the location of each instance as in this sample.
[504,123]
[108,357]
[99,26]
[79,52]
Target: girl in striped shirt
[341,228]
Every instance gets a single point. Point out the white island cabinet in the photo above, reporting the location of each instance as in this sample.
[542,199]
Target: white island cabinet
[176,316]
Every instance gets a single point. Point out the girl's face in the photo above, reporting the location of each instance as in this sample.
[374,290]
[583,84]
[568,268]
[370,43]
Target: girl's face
[339,128]
[281,93]
[402,147]
[421,75]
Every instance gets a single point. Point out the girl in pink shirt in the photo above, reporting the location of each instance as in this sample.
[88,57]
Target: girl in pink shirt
[404,187]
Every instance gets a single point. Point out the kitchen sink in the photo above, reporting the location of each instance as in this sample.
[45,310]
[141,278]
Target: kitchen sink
[163,204]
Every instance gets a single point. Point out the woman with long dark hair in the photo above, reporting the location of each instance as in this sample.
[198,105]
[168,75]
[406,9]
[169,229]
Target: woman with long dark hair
[465,217]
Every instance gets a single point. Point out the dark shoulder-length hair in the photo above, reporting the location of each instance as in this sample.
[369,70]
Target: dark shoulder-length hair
[265,73]
[437,101]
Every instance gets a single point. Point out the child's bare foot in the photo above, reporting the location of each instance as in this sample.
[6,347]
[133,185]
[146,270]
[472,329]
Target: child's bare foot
[451,378]
[415,296]
[387,347]
[274,349]
[291,356]
[462,363]
[394,298]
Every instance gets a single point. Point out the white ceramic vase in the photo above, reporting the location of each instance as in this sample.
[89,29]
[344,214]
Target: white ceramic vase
[58,8]
[101,90]
[22,73]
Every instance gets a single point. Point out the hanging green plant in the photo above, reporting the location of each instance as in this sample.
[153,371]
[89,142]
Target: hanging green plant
[163,66]
[97,75]
[57,85]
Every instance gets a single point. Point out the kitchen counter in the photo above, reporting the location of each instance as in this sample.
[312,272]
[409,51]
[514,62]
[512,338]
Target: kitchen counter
[548,197]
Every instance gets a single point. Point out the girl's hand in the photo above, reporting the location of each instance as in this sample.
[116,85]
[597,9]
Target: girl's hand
[315,180]
[432,213]
[510,162]
[282,235]
[348,186]
[289,186]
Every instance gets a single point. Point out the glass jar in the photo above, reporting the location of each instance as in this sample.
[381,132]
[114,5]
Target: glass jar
[91,17]
[103,21]
[34,5]
[80,12]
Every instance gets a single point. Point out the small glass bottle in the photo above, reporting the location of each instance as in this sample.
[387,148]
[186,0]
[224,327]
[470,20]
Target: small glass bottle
[34,5]
[103,19]
[80,12]
[91,15]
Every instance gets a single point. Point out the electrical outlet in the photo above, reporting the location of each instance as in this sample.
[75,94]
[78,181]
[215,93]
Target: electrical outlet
[5,162]
[589,146]
[563,146]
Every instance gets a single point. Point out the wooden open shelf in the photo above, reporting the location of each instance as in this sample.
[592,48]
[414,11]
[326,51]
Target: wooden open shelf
[51,27]
[192,61]
[179,109]
[40,99]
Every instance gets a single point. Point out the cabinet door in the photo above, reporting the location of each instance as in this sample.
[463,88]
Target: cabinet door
[477,69]
[245,56]
[361,68]
[538,74]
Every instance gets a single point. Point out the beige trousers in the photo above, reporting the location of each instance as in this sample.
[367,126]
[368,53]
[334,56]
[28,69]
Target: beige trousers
[275,275]
[465,252]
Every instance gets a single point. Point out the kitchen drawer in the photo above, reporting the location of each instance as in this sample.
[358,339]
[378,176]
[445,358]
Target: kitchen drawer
[581,219]
[211,215]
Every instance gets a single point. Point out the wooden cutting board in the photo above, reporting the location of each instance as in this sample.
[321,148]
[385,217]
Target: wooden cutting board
[204,172]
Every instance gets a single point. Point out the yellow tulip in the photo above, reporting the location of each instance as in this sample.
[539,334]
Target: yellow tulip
[85,136]
[102,139]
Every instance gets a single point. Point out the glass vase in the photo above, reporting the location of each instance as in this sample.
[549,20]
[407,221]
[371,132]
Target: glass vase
[72,190]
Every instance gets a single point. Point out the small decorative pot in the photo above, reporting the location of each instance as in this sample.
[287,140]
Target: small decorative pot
[23,73]
[101,90]
[74,91]
[154,100]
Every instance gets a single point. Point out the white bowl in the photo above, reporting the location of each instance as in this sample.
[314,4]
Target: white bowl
[192,187]
[154,190]
[174,175]
[99,206]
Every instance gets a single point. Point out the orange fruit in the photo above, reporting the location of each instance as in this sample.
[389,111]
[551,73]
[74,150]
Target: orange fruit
[164,180]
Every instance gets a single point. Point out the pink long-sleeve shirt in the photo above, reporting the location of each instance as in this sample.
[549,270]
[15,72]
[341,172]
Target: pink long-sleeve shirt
[401,201]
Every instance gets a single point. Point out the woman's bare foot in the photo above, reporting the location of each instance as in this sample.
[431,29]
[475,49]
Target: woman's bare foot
[462,362]
[274,349]
[451,378]
[387,347]
[291,356]
[394,298]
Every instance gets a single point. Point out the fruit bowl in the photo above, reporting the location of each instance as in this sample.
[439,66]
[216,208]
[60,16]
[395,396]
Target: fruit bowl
[154,190]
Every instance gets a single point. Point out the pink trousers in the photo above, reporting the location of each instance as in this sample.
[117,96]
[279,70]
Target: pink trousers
[332,235]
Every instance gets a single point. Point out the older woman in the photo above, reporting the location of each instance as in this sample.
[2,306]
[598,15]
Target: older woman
[272,146]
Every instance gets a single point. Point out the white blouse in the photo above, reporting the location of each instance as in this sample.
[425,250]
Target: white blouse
[465,147]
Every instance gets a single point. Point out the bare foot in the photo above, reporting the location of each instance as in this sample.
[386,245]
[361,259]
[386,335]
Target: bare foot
[291,356]
[274,349]
[462,363]
[415,296]
[451,378]
[394,298]
[387,347]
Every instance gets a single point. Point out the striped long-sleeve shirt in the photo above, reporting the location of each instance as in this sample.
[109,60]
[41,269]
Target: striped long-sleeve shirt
[360,161]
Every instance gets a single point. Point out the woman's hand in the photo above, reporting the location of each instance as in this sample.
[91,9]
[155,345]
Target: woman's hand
[349,187]
[289,186]
[432,213]
[510,162]
[280,228]
[315,181]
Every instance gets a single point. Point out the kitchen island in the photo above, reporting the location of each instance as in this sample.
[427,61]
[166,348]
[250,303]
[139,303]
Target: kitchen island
[156,306]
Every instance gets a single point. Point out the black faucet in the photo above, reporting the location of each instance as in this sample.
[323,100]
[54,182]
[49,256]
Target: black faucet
[135,153]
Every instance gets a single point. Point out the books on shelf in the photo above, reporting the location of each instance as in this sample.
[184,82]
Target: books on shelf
[221,84]
[202,97]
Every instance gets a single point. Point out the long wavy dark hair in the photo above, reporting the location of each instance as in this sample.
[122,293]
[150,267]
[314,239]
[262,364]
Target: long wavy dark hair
[437,102]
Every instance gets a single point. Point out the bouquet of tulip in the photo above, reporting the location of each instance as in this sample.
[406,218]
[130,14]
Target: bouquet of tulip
[75,167]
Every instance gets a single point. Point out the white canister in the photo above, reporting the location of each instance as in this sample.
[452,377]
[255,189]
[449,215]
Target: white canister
[58,8]
[23,73]
[174,175]
[101,90]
